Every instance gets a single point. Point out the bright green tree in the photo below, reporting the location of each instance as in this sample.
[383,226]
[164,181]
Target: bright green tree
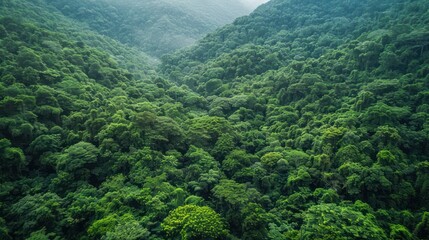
[331,221]
[194,222]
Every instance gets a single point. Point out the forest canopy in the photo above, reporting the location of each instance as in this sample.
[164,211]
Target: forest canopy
[304,120]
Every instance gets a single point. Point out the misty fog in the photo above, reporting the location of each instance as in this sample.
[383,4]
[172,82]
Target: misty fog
[253,3]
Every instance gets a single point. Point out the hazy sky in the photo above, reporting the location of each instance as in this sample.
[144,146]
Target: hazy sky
[254,3]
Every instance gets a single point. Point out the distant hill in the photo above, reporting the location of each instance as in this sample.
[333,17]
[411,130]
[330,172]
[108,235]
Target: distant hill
[43,15]
[156,26]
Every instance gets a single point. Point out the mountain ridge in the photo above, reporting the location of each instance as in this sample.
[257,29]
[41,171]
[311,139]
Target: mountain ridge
[157,27]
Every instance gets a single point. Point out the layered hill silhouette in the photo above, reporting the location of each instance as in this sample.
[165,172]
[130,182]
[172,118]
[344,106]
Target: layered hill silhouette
[157,27]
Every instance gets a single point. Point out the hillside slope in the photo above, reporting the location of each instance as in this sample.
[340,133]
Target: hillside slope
[332,97]
[305,120]
[157,27]
[39,13]
[60,85]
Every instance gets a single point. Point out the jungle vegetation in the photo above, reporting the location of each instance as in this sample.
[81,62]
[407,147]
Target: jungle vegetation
[306,119]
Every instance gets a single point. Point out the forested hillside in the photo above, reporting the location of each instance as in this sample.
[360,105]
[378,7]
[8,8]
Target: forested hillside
[330,96]
[156,26]
[41,14]
[307,119]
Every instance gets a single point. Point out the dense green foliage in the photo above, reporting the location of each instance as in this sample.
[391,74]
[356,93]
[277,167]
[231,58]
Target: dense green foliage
[305,120]
[40,13]
[156,26]
[194,222]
